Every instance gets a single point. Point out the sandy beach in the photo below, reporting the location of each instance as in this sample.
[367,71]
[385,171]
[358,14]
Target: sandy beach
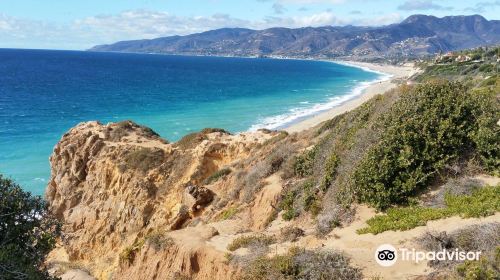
[396,73]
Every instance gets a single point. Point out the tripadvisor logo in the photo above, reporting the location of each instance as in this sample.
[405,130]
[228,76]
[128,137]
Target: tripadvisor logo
[387,255]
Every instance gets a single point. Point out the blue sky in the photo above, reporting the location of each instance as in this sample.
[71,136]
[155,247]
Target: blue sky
[72,24]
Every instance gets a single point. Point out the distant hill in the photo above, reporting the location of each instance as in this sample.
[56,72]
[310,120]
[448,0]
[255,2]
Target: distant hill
[415,36]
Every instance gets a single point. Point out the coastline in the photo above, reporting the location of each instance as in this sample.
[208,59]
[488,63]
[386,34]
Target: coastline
[390,75]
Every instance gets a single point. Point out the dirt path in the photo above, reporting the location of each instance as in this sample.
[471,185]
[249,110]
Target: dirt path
[362,247]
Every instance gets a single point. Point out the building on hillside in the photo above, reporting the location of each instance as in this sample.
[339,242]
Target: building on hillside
[449,56]
[463,58]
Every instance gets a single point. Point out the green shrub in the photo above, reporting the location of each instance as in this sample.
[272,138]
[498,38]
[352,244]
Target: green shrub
[482,202]
[217,175]
[128,254]
[251,240]
[427,128]
[481,269]
[287,204]
[311,199]
[27,233]
[228,213]
[304,163]
[330,170]
[486,68]
[487,135]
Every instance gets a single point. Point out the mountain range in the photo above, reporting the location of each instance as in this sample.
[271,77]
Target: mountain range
[418,35]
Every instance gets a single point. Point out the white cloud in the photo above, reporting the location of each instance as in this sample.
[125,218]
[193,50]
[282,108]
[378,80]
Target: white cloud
[143,24]
[481,7]
[421,5]
[279,8]
[312,1]
[381,20]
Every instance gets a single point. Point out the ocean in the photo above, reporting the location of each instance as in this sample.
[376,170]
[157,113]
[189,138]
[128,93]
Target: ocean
[44,93]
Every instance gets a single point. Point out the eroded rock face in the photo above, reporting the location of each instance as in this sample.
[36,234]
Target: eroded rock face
[113,184]
[185,255]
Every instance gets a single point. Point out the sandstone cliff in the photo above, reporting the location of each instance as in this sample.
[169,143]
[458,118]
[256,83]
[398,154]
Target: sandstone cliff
[114,185]
[220,206]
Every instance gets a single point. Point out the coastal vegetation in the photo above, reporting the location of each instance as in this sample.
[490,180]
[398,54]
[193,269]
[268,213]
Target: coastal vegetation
[221,173]
[28,232]
[299,263]
[250,240]
[413,154]
[390,150]
[191,140]
[428,127]
[484,238]
[142,159]
[482,202]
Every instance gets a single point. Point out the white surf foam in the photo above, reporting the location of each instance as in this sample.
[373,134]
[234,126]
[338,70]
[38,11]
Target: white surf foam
[296,114]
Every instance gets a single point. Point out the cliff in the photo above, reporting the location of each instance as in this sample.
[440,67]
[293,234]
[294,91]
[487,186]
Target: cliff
[274,205]
[115,184]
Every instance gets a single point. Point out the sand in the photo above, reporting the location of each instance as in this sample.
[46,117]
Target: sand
[397,73]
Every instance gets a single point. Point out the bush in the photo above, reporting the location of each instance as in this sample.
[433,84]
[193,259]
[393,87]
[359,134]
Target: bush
[217,175]
[304,163]
[483,237]
[311,198]
[427,128]
[482,202]
[253,180]
[250,240]
[158,240]
[143,159]
[191,140]
[228,213]
[128,254]
[478,270]
[287,204]
[487,135]
[330,170]
[291,233]
[280,136]
[333,218]
[27,233]
[302,264]
[121,129]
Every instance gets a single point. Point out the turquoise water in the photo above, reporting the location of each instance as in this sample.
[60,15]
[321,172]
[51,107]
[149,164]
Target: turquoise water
[45,93]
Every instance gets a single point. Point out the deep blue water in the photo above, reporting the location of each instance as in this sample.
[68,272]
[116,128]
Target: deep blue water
[44,93]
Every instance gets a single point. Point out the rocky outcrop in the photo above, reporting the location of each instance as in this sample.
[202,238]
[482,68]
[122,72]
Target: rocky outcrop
[134,206]
[114,184]
[182,255]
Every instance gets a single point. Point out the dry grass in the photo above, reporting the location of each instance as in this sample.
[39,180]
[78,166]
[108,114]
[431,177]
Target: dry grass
[291,233]
[122,129]
[302,264]
[251,241]
[484,238]
[143,159]
[192,140]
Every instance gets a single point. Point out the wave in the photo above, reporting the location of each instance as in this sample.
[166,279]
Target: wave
[297,114]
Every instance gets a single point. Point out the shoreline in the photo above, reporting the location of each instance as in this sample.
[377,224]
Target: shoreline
[390,75]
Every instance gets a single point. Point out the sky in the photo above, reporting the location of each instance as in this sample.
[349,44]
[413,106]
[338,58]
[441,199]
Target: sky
[79,25]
